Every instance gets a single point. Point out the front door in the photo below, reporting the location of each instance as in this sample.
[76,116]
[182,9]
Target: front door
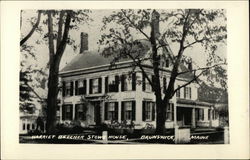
[97,112]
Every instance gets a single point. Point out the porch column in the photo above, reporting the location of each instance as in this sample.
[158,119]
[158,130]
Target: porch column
[103,84]
[74,111]
[87,86]
[60,114]
[175,115]
[119,111]
[210,120]
[193,118]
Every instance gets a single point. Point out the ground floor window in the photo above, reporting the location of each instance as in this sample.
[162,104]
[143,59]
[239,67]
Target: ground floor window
[111,111]
[80,112]
[23,126]
[170,112]
[148,111]
[200,114]
[67,112]
[128,110]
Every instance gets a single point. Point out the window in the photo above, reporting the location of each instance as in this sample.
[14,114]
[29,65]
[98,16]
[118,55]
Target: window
[80,112]
[128,110]
[67,112]
[112,84]
[80,87]
[146,85]
[200,114]
[28,127]
[95,85]
[128,82]
[170,112]
[148,111]
[23,126]
[68,88]
[111,111]
[187,92]
[178,92]
[33,126]
[208,114]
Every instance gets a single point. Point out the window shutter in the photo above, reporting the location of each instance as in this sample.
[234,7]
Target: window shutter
[153,79]
[106,84]
[122,111]
[153,111]
[134,81]
[143,110]
[143,83]
[117,83]
[76,87]
[196,114]
[202,114]
[63,112]
[164,84]
[71,112]
[63,89]
[71,88]
[116,110]
[190,93]
[122,82]
[85,86]
[90,86]
[99,85]
[76,110]
[185,92]
[133,110]
[172,109]
[106,111]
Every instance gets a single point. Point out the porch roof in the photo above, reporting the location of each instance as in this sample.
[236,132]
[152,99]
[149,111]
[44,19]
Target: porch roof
[193,102]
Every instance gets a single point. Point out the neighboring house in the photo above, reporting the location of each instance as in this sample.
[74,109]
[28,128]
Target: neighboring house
[93,94]
[219,98]
[27,122]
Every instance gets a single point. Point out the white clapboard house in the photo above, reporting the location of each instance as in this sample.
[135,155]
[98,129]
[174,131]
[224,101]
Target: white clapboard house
[93,94]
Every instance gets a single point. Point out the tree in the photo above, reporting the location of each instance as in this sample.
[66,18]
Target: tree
[25,90]
[56,40]
[184,28]
[66,20]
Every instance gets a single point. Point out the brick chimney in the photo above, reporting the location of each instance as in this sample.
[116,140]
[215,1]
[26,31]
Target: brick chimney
[155,23]
[84,42]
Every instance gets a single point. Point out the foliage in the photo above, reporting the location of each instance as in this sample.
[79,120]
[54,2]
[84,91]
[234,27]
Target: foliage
[126,33]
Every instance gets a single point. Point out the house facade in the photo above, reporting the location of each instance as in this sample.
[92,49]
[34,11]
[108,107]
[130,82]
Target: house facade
[93,93]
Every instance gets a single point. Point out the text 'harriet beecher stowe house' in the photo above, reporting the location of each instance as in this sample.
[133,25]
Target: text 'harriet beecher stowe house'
[93,93]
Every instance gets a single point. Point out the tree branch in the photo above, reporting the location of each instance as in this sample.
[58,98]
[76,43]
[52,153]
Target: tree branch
[50,36]
[203,68]
[32,30]
[60,24]
[136,27]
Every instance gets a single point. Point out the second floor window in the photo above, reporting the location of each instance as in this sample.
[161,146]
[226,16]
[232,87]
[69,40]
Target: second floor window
[67,88]
[112,84]
[80,87]
[145,84]
[128,82]
[95,85]
[187,92]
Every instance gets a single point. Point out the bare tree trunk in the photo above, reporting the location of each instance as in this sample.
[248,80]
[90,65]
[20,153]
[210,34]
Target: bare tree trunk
[54,62]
